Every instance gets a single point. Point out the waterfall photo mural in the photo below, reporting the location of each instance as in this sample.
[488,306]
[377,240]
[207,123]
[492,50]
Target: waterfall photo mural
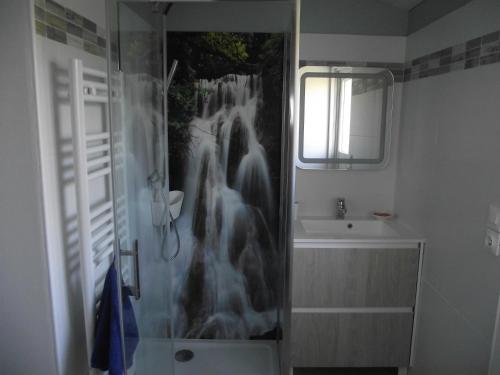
[225,121]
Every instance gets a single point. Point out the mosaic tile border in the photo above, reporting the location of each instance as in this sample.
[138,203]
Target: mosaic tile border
[61,24]
[65,26]
[480,51]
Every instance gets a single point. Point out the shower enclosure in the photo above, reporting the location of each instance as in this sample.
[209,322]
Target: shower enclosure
[201,115]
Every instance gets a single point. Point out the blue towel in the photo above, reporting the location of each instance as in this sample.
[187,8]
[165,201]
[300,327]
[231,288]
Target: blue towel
[107,352]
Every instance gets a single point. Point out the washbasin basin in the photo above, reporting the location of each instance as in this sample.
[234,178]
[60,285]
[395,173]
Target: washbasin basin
[349,228]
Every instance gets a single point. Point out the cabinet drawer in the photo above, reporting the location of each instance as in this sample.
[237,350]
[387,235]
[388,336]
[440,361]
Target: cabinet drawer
[351,339]
[328,277]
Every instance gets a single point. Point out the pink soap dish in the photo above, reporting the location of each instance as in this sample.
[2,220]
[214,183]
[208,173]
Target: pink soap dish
[381,215]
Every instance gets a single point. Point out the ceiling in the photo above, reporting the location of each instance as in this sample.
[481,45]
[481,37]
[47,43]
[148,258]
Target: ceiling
[403,4]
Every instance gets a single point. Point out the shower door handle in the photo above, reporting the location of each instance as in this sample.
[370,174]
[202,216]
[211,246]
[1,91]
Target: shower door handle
[136,289]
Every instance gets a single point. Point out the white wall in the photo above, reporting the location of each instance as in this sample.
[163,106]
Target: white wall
[448,175]
[26,326]
[365,191]
[54,116]
[233,17]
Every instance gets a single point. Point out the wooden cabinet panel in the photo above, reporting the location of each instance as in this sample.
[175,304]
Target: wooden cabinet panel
[351,339]
[330,277]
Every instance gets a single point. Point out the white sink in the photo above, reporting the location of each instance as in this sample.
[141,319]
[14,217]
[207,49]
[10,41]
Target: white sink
[349,228]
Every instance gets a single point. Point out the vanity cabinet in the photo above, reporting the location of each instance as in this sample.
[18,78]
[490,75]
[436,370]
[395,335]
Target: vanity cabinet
[351,339]
[353,306]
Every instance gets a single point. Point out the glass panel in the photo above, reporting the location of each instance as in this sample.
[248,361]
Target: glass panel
[203,172]
[317,116]
[225,153]
[140,181]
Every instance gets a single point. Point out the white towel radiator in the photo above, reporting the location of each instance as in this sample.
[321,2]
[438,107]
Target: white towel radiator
[98,222]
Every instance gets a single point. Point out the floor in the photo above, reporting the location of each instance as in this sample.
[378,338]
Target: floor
[155,356]
[345,371]
[227,357]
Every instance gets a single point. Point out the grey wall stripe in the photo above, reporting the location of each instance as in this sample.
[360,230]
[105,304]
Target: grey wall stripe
[431,10]
[360,17]
[371,17]
[65,26]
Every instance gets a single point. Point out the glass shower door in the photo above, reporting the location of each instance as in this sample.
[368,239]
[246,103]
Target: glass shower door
[202,165]
[140,181]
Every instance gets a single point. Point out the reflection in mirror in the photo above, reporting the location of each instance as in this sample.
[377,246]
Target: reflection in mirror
[344,117]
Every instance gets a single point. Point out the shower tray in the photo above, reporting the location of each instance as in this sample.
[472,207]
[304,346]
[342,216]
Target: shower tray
[211,357]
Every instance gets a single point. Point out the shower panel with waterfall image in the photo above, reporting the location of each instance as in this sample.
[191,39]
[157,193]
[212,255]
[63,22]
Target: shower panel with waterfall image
[225,124]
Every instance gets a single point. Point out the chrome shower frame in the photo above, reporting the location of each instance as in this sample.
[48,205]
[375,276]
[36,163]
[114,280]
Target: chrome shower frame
[287,186]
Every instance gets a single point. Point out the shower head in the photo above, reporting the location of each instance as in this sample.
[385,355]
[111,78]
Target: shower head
[167,8]
[161,7]
[171,74]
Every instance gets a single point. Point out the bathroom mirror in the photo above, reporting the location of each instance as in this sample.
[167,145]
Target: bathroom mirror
[345,117]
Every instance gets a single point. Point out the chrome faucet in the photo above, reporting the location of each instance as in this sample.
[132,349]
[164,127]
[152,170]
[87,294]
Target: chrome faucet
[341,209]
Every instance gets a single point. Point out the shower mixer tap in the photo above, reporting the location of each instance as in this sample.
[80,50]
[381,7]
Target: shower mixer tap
[341,209]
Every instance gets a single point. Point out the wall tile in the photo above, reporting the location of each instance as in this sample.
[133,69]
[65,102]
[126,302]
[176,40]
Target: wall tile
[39,13]
[471,53]
[40,28]
[457,57]
[101,32]
[89,25]
[89,37]
[55,21]
[472,63]
[101,42]
[74,41]
[74,30]
[74,17]
[490,48]
[473,43]
[56,34]
[90,48]
[458,65]
[490,38]
[63,25]
[485,60]
[55,8]
[458,49]
[475,52]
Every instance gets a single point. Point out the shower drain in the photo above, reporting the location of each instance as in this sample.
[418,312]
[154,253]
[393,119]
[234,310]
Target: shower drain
[184,355]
